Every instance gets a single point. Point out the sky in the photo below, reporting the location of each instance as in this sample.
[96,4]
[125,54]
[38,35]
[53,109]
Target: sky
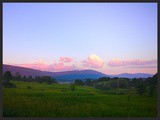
[111,38]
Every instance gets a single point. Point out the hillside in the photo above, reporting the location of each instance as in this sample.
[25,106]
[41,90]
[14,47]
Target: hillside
[136,75]
[60,76]
[69,75]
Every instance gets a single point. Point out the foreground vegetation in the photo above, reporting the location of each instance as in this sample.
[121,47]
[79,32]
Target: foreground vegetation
[32,99]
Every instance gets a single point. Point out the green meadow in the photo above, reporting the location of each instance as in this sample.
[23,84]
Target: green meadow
[31,99]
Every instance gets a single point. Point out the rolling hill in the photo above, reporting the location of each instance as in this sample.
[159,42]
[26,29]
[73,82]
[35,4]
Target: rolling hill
[136,75]
[60,76]
[68,75]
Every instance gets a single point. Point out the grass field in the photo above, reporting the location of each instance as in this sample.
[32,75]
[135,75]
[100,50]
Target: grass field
[56,100]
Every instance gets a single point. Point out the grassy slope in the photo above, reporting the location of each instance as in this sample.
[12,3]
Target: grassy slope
[56,100]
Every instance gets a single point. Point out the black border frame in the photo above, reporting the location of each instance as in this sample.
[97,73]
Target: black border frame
[77,1]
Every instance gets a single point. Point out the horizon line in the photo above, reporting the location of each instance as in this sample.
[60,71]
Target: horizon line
[76,70]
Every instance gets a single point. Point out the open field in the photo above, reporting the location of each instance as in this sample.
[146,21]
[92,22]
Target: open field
[56,100]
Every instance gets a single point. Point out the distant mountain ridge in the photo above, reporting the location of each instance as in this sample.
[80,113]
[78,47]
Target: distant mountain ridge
[68,75]
[60,76]
[25,71]
[78,74]
[135,75]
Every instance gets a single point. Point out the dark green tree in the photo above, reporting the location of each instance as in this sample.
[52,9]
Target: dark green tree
[152,84]
[18,76]
[136,81]
[54,80]
[123,83]
[24,78]
[113,84]
[102,79]
[141,89]
[88,82]
[7,76]
[79,82]
[72,87]
[48,79]
[154,79]
[151,90]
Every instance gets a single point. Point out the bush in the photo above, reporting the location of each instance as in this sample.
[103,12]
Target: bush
[123,83]
[104,92]
[39,82]
[72,87]
[28,87]
[114,93]
[79,82]
[64,90]
[141,89]
[121,93]
[7,76]
[9,85]
[151,90]
[88,82]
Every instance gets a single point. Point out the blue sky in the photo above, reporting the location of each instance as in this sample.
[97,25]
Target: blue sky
[107,37]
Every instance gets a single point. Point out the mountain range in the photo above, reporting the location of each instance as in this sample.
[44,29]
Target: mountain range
[135,75]
[68,75]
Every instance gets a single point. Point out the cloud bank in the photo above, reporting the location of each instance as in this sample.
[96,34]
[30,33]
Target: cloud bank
[118,62]
[56,66]
[95,62]
[61,67]
[66,59]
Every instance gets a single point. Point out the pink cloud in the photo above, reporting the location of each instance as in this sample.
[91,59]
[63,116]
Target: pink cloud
[37,66]
[61,67]
[142,66]
[115,71]
[93,61]
[44,67]
[66,59]
[118,62]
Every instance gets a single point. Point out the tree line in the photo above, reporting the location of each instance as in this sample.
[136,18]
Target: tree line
[141,85]
[7,76]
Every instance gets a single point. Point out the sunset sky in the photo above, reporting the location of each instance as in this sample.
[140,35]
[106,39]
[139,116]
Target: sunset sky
[112,38]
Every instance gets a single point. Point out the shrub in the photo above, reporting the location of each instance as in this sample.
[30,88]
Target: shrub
[121,93]
[88,82]
[151,90]
[72,87]
[7,76]
[64,90]
[141,89]
[9,85]
[79,82]
[114,93]
[28,87]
